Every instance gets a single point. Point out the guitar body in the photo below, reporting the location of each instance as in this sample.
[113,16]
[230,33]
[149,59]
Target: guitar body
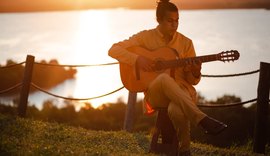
[128,73]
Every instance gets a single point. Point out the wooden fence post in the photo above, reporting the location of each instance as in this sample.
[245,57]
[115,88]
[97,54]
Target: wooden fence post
[260,133]
[130,111]
[26,85]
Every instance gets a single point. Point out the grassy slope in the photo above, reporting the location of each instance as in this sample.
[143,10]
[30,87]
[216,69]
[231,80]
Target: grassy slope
[30,137]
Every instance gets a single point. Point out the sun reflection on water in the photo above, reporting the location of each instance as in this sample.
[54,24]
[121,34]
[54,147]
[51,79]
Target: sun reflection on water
[97,80]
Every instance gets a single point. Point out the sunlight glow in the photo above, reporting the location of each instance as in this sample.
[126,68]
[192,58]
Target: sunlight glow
[92,23]
[97,80]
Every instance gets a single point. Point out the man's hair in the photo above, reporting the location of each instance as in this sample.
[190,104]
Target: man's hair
[163,6]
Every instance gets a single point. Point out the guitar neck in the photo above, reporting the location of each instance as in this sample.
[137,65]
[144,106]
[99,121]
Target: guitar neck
[190,60]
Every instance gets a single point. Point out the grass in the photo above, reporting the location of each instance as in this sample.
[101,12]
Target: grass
[30,137]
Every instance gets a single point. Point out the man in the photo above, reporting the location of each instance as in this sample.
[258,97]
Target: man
[173,92]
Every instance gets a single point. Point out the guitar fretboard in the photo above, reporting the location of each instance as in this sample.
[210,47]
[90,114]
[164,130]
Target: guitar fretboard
[186,61]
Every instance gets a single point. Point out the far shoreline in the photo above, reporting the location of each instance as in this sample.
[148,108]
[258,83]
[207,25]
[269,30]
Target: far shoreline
[26,9]
[125,8]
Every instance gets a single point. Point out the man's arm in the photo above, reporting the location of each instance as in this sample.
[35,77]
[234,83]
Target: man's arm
[120,52]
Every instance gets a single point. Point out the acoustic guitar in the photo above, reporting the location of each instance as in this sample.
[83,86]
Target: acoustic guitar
[165,59]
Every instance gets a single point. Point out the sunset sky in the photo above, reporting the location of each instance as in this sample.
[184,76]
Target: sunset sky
[47,5]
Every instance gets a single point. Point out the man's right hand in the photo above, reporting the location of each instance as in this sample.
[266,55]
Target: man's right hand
[144,64]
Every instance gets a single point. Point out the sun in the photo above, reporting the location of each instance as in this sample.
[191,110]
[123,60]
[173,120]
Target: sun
[97,80]
[91,23]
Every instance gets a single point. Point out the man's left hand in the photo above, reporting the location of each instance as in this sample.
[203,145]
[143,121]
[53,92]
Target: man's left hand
[195,68]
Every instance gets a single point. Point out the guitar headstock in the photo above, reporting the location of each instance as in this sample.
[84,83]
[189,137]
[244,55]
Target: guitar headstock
[231,55]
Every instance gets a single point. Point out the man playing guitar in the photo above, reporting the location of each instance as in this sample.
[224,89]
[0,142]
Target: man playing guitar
[174,89]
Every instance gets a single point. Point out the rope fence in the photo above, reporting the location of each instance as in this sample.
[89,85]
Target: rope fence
[71,66]
[106,64]
[16,85]
[11,88]
[12,65]
[227,105]
[74,99]
[114,63]
[230,104]
[233,75]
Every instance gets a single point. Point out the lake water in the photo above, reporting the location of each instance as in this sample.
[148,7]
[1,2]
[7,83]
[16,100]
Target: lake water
[84,37]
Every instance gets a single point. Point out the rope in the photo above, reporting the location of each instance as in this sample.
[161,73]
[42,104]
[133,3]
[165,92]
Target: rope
[57,65]
[13,65]
[226,105]
[75,99]
[231,75]
[11,88]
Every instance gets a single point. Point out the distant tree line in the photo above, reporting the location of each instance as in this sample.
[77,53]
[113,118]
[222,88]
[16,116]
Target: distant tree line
[43,76]
[110,117]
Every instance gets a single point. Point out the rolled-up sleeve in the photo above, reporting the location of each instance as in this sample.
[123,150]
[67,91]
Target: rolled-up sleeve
[119,50]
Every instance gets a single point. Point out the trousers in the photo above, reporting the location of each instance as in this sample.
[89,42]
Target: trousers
[163,91]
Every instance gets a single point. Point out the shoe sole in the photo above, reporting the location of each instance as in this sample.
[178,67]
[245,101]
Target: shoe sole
[218,132]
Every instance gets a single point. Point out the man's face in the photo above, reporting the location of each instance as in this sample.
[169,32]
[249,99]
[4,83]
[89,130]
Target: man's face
[169,24]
